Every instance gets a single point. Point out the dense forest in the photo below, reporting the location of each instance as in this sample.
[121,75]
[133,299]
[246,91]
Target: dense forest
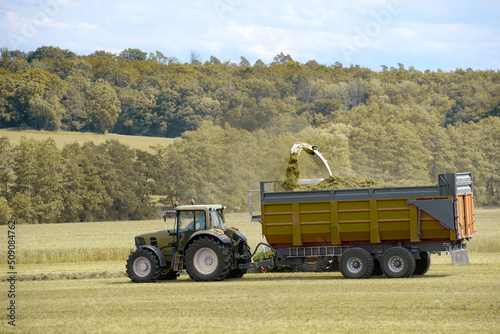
[237,122]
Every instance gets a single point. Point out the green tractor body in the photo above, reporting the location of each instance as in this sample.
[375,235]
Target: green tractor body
[199,243]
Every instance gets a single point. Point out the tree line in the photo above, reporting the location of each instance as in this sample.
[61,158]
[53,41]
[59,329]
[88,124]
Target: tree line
[137,93]
[40,183]
[43,184]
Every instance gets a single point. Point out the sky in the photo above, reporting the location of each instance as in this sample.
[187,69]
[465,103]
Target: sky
[421,33]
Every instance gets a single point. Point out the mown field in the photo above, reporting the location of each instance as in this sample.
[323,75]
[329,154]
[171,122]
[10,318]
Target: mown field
[68,284]
[66,137]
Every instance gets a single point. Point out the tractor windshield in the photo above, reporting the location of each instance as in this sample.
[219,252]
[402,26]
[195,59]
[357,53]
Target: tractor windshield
[216,219]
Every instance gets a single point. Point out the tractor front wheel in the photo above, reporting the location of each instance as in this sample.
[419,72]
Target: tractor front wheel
[143,266]
[208,260]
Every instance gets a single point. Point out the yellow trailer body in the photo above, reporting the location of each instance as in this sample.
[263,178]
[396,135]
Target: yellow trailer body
[412,215]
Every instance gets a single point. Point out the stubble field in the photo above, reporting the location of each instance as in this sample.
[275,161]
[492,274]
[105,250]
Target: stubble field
[75,288]
[67,137]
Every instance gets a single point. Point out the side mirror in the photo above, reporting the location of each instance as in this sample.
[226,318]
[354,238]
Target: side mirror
[165,216]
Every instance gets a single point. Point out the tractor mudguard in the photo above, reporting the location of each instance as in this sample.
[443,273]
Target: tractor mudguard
[222,237]
[240,236]
[157,251]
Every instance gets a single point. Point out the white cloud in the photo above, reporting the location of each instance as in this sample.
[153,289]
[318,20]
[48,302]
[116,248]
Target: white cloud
[403,32]
[420,32]
[86,25]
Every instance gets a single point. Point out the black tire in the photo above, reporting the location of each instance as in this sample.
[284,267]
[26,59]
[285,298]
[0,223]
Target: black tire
[143,266]
[208,260]
[377,270]
[245,256]
[422,265]
[334,264]
[356,263]
[314,264]
[397,262]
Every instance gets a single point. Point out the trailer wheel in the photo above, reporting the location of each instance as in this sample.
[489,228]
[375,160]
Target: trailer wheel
[397,262]
[356,263]
[143,266]
[207,260]
[422,265]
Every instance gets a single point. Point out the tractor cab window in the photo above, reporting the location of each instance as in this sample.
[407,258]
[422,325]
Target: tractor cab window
[216,219]
[191,221]
[200,221]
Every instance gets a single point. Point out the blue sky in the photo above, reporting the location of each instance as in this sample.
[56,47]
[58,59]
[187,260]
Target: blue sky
[424,34]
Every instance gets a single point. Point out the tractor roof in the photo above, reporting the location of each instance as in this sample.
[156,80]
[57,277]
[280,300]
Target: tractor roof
[199,207]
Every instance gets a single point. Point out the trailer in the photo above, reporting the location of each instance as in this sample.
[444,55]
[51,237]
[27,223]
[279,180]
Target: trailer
[373,230]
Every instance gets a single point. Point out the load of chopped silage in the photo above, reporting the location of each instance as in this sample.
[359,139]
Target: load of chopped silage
[332,182]
[337,182]
[292,173]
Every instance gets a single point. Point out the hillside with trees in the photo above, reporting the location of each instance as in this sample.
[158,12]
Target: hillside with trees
[237,122]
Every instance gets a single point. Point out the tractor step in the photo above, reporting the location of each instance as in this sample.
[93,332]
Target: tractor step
[178,262]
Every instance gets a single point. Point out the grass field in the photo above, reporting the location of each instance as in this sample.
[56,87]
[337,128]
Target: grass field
[65,137]
[93,295]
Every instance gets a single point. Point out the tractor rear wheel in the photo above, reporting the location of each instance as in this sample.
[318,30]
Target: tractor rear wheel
[397,262]
[143,266]
[208,260]
[356,263]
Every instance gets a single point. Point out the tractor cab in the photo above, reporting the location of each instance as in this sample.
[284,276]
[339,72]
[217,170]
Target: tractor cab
[193,219]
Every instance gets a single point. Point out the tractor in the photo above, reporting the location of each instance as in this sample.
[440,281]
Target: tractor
[200,243]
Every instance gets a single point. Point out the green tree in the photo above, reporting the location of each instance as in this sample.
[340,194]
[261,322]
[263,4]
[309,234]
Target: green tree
[75,117]
[214,61]
[45,113]
[6,165]
[244,61]
[5,211]
[102,106]
[50,52]
[133,54]
[38,172]
[282,58]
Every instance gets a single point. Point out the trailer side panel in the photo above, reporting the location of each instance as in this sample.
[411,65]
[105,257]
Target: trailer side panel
[370,216]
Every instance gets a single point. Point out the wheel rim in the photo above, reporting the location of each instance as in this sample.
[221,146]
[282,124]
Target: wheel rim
[355,265]
[142,267]
[396,263]
[205,261]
